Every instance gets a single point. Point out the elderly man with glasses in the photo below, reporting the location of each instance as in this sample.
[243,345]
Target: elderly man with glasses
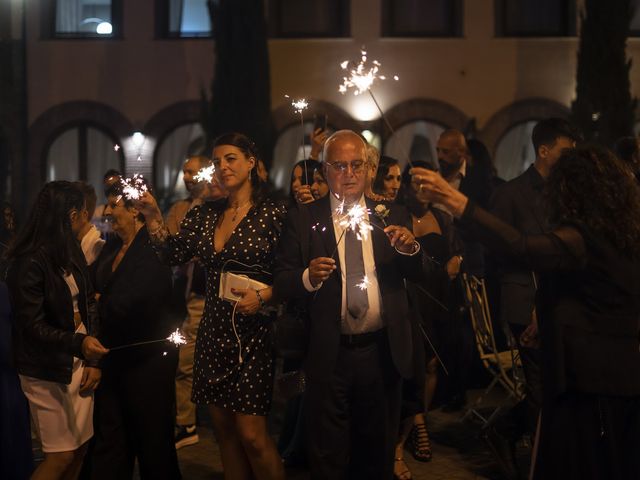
[360,341]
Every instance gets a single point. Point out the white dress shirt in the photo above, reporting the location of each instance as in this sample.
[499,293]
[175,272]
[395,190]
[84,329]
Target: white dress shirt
[373,319]
[91,245]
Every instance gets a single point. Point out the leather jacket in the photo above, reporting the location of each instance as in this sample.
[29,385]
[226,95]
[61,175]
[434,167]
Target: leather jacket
[44,338]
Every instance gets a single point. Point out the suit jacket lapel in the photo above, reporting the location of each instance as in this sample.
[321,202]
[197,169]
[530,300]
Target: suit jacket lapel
[322,223]
[378,237]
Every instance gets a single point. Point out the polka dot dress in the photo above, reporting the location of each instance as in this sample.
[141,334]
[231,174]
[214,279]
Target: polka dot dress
[231,374]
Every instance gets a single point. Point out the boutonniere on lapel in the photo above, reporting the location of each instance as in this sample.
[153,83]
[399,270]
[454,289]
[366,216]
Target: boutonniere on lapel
[382,212]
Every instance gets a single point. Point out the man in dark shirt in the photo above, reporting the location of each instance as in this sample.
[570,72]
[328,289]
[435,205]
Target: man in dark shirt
[519,202]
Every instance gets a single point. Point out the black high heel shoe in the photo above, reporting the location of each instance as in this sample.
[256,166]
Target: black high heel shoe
[419,443]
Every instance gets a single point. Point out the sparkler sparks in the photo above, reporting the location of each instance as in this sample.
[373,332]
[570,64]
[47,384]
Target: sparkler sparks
[355,220]
[298,105]
[205,174]
[361,75]
[364,283]
[177,338]
[134,187]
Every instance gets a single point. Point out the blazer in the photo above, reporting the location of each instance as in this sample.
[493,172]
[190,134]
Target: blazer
[519,203]
[134,299]
[588,305]
[300,243]
[44,338]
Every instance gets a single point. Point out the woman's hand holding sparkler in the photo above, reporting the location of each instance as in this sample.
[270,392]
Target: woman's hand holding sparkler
[318,137]
[320,268]
[303,194]
[92,349]
[148,206]
[438,190]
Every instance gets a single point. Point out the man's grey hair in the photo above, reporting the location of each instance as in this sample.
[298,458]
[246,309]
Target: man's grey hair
[336,136]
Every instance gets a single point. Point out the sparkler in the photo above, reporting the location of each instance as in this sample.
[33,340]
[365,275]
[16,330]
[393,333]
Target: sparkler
[364,283]
[299,106]
[176,338]
[205,174]
[361,77]
[133,188]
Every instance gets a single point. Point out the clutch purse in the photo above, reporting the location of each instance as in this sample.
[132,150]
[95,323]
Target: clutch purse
[232,281]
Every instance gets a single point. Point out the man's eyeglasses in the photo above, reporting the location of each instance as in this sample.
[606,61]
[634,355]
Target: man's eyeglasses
[357,167]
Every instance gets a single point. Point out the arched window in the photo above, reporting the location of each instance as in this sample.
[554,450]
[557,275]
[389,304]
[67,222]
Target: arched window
[170,155]
[287,151]
[83,152]
[416,140]
[515,152]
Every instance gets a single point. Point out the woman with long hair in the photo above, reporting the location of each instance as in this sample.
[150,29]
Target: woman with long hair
[301,181]
[388,178]
[233,366]
[134,414]
[434,231]
[55,326]
[588,306]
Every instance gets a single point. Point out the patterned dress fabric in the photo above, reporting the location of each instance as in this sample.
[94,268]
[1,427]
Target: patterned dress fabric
[233,364]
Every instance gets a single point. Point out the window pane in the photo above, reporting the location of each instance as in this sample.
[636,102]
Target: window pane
[62,158]
[420,17]
[536,17]
[173,151]
[287,152]
[84,17]
[189,18]
[309,18]
[515,151]
[416,140]
[101,157]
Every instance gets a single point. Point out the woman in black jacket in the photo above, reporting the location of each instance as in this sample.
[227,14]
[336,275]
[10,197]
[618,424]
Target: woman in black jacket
[134,416]
[55,324]
[588,307]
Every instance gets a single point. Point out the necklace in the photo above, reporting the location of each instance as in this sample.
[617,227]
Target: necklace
[236,209]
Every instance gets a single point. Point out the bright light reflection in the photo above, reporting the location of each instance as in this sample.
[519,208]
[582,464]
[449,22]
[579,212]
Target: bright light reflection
[104,28]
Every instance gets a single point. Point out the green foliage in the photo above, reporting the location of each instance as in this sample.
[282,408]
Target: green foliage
[603,108]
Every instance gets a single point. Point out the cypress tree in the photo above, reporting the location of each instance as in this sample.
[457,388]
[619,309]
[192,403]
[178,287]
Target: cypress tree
[241,88]
[603,108]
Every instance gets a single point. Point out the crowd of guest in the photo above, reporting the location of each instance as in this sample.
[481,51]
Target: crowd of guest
[371,322]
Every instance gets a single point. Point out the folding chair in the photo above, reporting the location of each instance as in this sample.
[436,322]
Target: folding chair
[504,367]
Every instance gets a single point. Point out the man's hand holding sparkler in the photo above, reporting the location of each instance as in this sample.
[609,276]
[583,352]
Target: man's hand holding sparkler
[320,268]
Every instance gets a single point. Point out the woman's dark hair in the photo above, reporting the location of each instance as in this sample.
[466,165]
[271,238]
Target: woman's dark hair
[384,166]
[117,190]
[591,187]
[407,195]
[248,147]
[49,226]
[310,165]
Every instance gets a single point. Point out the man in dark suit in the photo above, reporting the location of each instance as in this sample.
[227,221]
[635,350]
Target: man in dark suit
[519,202]
[459,350]
[360,342]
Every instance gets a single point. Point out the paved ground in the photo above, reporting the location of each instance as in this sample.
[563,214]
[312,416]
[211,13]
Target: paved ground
[458,454]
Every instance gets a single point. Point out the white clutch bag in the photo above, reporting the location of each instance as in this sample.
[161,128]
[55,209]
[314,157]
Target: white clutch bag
[229,281]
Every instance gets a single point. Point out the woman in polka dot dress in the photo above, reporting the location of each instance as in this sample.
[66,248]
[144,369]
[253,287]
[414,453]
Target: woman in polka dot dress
[233,365]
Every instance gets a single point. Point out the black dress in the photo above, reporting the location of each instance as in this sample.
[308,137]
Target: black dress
[588,308]
[233,361]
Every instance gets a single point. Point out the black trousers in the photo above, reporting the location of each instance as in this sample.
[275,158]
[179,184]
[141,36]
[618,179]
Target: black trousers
[134,418]
[353,418]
